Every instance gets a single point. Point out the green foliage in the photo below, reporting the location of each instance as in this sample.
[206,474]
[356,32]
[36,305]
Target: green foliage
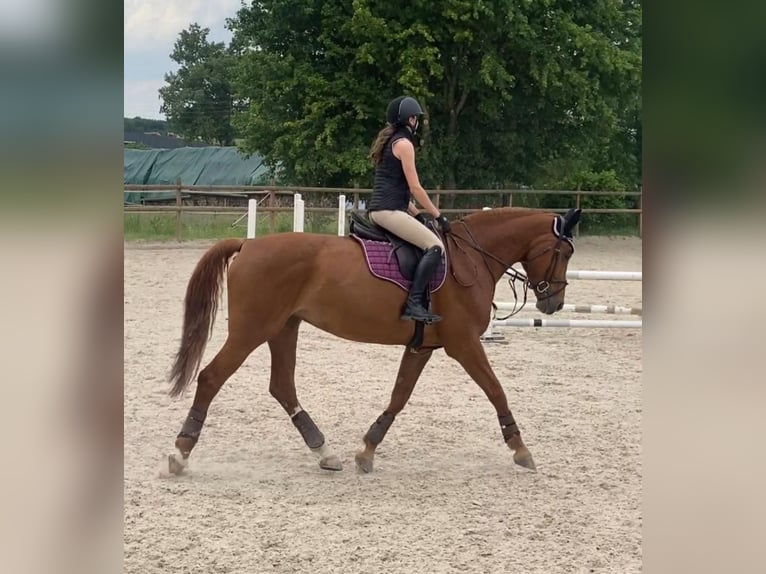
[139,124]
[162,226]
[136,145]
[542,93]
[307,104]
[513,91]
[589,180]
[197,99]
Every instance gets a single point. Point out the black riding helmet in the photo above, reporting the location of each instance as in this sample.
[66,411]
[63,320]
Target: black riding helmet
[402,108]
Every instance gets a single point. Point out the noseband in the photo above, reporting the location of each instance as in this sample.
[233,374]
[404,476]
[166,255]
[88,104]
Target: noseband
[543,287]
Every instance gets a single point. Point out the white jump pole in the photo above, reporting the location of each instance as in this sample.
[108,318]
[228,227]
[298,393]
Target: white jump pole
[341,215]
[601,275]
[573,308]
[606,275]
[574,323]
[586,323]
[251,209]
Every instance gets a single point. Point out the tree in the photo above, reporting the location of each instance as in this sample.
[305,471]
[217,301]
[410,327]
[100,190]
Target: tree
[310,109]
[139,124]
[604,143]
[514,93]
[197,99]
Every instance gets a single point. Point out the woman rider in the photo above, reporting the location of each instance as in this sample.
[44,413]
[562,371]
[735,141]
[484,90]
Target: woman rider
[396,179]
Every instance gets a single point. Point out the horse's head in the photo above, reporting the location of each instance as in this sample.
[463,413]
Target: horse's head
[546,262]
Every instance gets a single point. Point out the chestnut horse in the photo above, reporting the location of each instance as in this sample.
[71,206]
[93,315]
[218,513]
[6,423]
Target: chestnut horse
[278,281]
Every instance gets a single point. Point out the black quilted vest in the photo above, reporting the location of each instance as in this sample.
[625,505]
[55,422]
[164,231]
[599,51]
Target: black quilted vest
[390,189]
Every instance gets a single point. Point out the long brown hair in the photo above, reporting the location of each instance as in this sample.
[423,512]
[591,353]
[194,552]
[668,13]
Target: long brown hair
[376,151]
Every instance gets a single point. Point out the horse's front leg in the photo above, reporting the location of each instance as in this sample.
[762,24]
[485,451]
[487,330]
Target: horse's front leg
[473,359]
[411,366]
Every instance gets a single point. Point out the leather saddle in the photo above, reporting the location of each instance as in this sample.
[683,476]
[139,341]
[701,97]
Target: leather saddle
[407,255]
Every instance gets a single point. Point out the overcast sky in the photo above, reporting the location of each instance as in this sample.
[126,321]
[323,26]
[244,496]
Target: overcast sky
[151,29]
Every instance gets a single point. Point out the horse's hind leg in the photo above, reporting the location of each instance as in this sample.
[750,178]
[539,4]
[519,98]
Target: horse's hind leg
[209,382]
[282,388]
[473,359]
[410,368]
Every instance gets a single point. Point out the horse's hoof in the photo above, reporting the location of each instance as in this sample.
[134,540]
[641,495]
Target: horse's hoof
[331,463]
[363,464]
[174,466]
[525,459]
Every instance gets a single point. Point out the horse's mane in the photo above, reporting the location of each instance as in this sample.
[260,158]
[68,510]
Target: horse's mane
[504,213]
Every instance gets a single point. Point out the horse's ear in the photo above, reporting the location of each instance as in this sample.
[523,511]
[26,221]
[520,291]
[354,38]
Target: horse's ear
[570,220]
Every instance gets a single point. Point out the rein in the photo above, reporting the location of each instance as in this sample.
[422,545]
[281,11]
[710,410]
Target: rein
[474,245]
[513,274]
[541,287]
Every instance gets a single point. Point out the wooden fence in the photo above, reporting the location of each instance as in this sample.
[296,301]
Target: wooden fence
[268,200]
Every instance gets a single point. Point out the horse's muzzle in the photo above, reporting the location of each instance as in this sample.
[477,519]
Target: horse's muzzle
[549,306]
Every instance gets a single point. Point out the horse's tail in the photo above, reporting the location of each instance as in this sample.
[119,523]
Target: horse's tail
[201,305]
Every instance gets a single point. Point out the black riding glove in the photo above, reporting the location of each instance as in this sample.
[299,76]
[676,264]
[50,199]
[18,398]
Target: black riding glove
[443,223]
[421,218]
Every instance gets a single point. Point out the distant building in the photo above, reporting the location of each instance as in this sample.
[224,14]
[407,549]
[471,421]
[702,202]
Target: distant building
[155,140]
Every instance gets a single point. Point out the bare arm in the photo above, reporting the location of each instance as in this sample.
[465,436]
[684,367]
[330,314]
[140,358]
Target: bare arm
[405,152]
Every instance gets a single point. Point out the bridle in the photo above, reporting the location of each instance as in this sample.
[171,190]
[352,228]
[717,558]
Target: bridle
[542,288]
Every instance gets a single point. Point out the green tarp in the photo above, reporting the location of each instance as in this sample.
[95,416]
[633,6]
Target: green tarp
[194,165]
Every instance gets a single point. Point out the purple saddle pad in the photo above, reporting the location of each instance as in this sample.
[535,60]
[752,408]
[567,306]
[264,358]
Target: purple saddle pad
[383,264]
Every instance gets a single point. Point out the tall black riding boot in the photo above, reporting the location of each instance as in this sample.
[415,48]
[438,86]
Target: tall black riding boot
[415,308]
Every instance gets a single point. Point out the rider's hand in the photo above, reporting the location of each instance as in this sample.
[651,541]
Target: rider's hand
[443,223]
[421,218]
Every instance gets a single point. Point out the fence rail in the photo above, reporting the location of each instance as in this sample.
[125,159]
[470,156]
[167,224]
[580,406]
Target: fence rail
[267,195]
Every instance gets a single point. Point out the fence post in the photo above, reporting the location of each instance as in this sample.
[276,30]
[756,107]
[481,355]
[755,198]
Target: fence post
[272,214]
[296,212]
[179,227]
[252,206]
[641,215]
[341,215]
[577,206]
[437,196]
[356,197]
[301,213]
